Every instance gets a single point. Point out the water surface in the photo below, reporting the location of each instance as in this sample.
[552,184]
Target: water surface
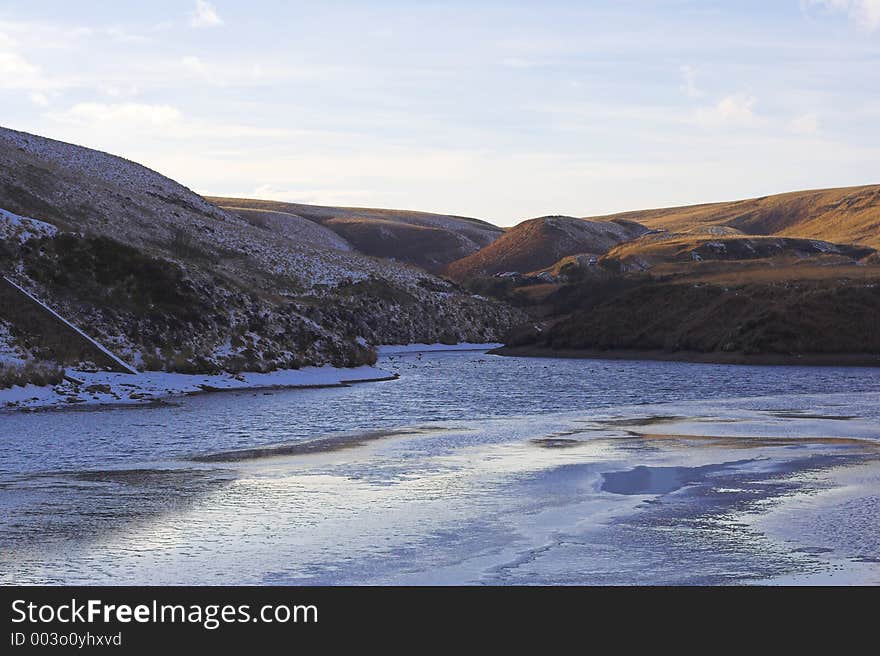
[470,468]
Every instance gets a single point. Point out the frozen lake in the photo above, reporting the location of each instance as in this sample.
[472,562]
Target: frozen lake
[470,468]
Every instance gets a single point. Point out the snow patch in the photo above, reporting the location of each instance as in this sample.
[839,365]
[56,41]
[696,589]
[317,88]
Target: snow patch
[22,228]
[111,388]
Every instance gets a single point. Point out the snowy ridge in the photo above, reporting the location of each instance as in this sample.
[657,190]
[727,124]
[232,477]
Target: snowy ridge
[103,166]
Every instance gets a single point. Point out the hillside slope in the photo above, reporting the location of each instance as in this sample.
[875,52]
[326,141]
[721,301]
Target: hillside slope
[293,227]
[848,215]
[168,280]
[430,241]
[541,242]
[790,278]
[667,249]
[819,320]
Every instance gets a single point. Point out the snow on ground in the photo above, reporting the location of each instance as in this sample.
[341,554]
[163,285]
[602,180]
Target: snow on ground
[391,349]
[110,388]
[9,352]
[138,194]
[22,228]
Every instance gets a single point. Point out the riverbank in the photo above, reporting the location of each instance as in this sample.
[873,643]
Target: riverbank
[96,389]
[398,349]
[758,359]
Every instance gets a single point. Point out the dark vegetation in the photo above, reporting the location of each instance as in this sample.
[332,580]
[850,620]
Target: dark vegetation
[113,275]
[31,372]
[789,317]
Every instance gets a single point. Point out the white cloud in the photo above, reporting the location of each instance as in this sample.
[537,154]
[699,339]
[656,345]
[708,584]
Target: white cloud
[864,13]
[204,15]
[126,114]
[807,124]
[39,99]
[327,196]
[735,110]
[13,64]
[689,81]
[128,118]
[16,72]
[124,36]
[194,65]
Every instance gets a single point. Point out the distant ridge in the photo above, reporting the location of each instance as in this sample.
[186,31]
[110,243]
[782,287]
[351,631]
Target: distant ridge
[845,215]
[428,240]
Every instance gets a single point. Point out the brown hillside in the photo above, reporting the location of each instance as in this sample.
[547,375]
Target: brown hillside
[541,242]
[848,215]
[669,248]
[430,241]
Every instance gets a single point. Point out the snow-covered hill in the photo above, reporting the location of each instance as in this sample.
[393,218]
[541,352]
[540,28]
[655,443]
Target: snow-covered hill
[168,280]
[430,241]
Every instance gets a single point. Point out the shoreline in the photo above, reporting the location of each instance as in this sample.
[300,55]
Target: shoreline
[384,350]
[101,390]
[695,357]
[85,391]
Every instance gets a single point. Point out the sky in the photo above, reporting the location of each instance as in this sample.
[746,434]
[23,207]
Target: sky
[496,110]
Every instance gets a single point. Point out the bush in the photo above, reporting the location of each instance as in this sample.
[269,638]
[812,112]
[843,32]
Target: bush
[108,273]
[38,373]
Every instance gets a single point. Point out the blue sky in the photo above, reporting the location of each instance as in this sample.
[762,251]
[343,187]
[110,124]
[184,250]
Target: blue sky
[499,110]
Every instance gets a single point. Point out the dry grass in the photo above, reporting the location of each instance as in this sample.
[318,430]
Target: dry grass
[36,373]
[848,215]
[539,243]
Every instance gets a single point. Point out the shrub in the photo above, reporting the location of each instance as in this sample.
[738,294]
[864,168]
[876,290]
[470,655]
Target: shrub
[38,373]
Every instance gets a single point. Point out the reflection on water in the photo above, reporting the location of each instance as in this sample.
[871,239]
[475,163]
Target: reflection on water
[470,468]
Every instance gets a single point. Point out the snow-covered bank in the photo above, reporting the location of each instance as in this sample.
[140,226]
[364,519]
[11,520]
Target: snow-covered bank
[393,349]
[109,388]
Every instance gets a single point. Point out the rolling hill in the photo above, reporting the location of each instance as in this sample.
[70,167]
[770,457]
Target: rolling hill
[788,278]
[169,281]
[293,227]
[847,215]
[430,241]
[539,243]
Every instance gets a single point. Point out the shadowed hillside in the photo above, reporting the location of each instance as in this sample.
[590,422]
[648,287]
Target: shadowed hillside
[815,320]
[430,241]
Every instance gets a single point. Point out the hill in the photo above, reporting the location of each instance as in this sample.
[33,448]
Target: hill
[666,252]
[808,319]
[785,278]
[430,241]
[292,227]
[539,243]
[847,215]
[168,280]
